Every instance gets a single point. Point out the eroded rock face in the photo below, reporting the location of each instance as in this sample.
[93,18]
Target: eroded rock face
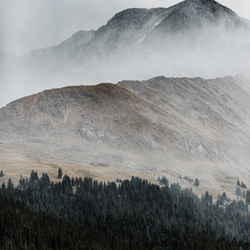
[195,126]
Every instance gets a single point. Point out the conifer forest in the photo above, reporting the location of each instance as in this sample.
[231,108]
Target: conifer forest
[82,213]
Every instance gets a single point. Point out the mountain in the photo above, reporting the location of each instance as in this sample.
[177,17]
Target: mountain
[190,39]
[193,14]
[164,126]
[131,27]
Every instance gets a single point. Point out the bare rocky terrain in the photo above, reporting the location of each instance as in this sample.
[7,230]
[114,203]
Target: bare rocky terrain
[184,128]
[175,127]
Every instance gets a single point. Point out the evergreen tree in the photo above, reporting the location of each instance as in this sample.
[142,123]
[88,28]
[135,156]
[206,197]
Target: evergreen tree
[238,192]
[248,196]
[40,214]
[196,182]
[59,173]
[10,185]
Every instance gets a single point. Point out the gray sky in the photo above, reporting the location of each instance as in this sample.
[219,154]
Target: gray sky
[31,24]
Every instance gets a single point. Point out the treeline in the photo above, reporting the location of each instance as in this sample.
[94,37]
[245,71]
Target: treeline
[133,214]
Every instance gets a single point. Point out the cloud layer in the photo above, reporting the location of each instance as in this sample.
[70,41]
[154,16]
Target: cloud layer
[27,25]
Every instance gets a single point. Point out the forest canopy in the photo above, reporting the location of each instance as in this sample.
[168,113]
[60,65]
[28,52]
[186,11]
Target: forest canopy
[82,213]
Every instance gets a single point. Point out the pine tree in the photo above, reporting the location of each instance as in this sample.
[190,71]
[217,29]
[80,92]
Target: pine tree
[196,182]
[59,173]
[248,196]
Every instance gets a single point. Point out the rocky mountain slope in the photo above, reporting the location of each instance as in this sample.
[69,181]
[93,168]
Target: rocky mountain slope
[164,126]
[134,28]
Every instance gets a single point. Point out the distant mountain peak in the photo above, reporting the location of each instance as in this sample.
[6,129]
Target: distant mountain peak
[213,7]
[192,14]
[202,1]
[191,38]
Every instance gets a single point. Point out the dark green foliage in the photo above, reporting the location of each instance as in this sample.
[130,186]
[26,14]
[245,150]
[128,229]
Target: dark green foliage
[238,192]
[188,179]
[59,173]
[39,214]
[10,185]
[196,182]
[248,196]
[222,199]
[163,181]
[119,180]
[241,184]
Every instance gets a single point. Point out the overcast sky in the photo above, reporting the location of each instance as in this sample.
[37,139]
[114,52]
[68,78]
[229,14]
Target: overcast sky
[31,24]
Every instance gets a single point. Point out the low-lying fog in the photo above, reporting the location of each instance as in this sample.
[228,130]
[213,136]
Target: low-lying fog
[197,53]
[205,60]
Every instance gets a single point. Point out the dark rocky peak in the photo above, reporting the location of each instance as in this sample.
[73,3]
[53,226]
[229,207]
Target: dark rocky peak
[129,27]
[132,27]
[212,7]
[135,17]
[192,14]
[185,11]
[127,18]
[150,38]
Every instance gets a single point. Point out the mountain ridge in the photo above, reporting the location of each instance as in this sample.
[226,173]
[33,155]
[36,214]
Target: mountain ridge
[131,26]
[145,20]
[192,126]
[174,126]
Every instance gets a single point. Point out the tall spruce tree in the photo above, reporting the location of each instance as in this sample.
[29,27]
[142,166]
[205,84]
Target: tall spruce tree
[59,173]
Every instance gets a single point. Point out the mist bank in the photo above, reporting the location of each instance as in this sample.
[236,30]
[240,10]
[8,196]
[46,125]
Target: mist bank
[193,38]
[199,60]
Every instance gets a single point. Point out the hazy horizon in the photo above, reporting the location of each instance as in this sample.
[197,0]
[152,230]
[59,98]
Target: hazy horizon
[29,25]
